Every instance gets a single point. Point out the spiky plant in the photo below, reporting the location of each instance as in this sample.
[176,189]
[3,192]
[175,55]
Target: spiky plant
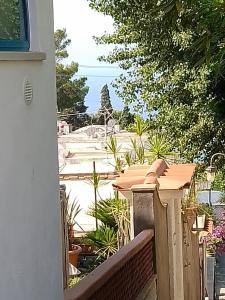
[104,213]
[105,239]
[128,158]
[119,164]
[139,127]
[121,213]
[159,147]
[139,151]
[72,209]
[114,213]
[113,147]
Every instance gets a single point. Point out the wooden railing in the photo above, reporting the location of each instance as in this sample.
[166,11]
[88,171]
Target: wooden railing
[125,275]
[173,247]
[191,263]
[179,262]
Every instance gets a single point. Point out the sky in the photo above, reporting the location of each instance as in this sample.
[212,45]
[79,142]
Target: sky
[82,23]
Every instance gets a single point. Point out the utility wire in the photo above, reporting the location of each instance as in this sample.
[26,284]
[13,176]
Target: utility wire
[85,113]
[87,75]
[98,67]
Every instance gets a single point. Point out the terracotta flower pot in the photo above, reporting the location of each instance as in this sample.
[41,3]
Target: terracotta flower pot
[86,248]
[73,255]
[71,232]
[209,225]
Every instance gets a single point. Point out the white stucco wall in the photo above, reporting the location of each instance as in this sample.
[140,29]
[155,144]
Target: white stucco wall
[30,251]
[83,192]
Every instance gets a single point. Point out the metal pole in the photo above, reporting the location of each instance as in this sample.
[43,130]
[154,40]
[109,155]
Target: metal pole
[210,195]
[95,193]
[105,123]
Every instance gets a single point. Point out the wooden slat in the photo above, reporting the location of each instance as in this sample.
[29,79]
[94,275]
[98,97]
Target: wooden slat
[161,245]
[192,278]
[109,272]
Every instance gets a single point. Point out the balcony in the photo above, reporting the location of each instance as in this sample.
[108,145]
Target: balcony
[165,260]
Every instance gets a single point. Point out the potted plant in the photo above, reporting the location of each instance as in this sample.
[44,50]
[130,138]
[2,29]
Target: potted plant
[189,207]
[204,219]
[72,209]
[86,246]
[216,240]
[199,223]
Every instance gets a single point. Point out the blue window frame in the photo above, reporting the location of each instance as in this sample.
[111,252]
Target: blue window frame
[14,25]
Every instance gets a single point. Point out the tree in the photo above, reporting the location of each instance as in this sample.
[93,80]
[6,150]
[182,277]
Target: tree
[70,92]
[124,117]
[127,118]
[173,52]
[106,106]
[105,100]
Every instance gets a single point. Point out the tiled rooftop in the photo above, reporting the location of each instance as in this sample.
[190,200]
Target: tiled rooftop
[168,177]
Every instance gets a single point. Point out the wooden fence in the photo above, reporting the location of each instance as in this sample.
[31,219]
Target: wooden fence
[179,258]
[191,255]
[127,275]
[180,263]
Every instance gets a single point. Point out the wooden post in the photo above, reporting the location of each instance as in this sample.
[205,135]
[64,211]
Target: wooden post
[142,214]
[148,211]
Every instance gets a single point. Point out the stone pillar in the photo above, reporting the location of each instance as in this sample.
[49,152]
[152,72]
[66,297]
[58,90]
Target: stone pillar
[141,208]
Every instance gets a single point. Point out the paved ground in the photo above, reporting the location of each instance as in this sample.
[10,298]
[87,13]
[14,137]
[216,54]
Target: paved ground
[210,277]
[220,278]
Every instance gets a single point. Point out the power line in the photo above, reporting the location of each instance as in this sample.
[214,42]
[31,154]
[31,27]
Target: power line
[98,67]
[84,113]
[87,75]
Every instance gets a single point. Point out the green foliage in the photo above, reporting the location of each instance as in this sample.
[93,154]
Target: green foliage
[128,158]
[205,209]
[159,147]
[124,118]
[70,92]
[73,281]
[104,213]
[72,210]
[173,52]
[139,151]
[139,126]
[105,239]
[120,212]
[119,164]
[219,182]
[61,44]
[113,147]
[113,213]
[10,20]
[95,181]
[127,118]
[140,154]
[106,106]
[222,198]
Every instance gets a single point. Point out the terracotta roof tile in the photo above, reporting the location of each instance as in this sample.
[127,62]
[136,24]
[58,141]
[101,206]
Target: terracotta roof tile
[168,177]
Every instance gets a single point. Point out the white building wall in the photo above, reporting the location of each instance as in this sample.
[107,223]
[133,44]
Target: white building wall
[83,192]
[30,249]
